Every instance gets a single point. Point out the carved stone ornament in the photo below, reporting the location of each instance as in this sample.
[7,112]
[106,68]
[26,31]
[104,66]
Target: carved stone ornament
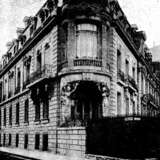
[103,88]
[66,102]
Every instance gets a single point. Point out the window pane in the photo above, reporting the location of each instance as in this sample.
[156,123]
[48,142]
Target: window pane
[87,40]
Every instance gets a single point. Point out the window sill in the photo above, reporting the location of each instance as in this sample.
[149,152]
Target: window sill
[26,123]
[44,121]
[17,124]
[37,122]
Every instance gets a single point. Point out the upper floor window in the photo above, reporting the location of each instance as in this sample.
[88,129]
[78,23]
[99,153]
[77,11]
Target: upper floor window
[4,117]
[127,67]
[26,110]
[17,113]
[118,103]
[118,60]
[10,115]
[133,73]
[18,77]
[87,41]
[39,60]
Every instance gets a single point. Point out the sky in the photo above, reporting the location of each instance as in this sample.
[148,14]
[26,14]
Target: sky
[144,13]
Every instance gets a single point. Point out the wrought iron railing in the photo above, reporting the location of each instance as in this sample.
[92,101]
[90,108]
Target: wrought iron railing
[88,62]
[44,71]
[131,81]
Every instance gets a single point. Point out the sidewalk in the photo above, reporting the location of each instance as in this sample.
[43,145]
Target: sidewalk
[39,155]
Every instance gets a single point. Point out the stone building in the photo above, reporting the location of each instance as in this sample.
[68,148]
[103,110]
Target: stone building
[78,61]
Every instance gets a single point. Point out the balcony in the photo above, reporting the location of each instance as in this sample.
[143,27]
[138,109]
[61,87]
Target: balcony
[44,72]
[88,62]
[130,82]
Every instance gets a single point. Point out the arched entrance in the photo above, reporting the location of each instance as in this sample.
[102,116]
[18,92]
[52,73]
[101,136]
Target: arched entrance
[82,101]
[87,103]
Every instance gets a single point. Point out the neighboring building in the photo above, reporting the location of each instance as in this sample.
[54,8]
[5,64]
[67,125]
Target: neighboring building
[155,52]
[72,63]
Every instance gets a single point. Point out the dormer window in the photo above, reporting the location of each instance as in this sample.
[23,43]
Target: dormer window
[87,41]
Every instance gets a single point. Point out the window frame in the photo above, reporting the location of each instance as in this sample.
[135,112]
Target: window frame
[98,39]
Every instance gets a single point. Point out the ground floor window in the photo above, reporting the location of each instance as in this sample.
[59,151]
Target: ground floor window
[10,140]
[45,142]
[17,140]
[4,139]
[37,141]
[25,141]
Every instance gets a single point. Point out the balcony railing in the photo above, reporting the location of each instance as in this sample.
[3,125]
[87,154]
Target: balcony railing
[88,62]
[45,71]
[130,80]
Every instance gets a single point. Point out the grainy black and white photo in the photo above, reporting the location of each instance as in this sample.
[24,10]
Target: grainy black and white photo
[80,80]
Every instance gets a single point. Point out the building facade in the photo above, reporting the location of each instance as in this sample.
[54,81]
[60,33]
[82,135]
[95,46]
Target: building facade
[72,63]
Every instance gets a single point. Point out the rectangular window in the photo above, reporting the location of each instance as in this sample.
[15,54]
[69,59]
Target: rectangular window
[127,67]
[4,117]
[18,79]
[4,139]
[17,113]
[37,141]
[134,108]
[127,106]
[45,142]
[0,119]
[133,73]
[25,141]
[87,41]
[26,110]
[118,103]
[10,115]
[45,109]
[39,60]
[17,140]
[10,140]
[118,60]
[37,111]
